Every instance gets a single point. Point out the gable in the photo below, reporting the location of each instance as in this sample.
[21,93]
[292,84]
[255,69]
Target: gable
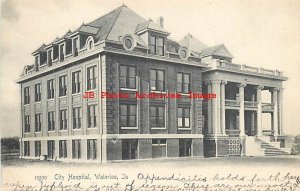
[222,51]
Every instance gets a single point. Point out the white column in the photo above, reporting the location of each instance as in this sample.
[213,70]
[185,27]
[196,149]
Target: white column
[216,107]
[209,110]
[259,110]
[280,104]
[242,109]
[223,122]
[275,113]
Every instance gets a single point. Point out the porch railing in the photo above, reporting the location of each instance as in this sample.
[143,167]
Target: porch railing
[267,106]
[268,132]
[233,103]
[250,104]
[232,132]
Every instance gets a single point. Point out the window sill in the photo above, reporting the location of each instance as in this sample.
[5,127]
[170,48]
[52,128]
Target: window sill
[38,132]
[26,104]
[63,130]
[50,99]
[159,145]
[78,93]
[128,128]
[64,96]
[27,133]
[181,128]
[92,128]
[163,128]
[77,129]
[128,89]
[37,102]
[91,90]
[51,131]
[158,92]
[184,94]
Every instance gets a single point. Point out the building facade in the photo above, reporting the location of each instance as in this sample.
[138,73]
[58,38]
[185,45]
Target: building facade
[79,99]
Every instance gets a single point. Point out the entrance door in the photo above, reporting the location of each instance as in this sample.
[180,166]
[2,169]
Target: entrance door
[185,147]
[129,149]
[51,148]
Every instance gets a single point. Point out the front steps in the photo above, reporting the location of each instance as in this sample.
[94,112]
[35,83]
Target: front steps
[261,146]
[272,150]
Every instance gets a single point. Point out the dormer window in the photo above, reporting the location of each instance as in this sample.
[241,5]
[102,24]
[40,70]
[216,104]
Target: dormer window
[68,46]
[43,58]
[36,63]
[75,46]
[61,52]
[55,52]
[49,58]
[157,45]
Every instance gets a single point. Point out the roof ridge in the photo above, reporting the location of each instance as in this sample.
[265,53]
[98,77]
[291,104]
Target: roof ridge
[217,47]
[106,14]
[121,8]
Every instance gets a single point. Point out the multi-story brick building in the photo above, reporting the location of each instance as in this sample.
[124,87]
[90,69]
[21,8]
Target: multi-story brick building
[123,53]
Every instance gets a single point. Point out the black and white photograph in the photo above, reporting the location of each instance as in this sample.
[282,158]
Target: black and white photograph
[136,95]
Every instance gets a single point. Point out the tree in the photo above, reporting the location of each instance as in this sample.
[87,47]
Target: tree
[10,143]
[296,145]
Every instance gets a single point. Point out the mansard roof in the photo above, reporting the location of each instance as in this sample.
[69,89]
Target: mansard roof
[192,43]
[40,49]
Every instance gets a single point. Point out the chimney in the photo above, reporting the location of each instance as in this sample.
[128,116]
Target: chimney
[160,21]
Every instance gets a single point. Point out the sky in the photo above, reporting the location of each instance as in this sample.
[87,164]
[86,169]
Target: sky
[258,33]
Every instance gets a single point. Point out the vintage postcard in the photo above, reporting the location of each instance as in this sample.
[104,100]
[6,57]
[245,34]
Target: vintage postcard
[127,95]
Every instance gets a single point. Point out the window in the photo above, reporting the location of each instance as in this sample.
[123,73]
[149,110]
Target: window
[160,46]
[152,44]
[92,116]
[63,120]
[128,114]
[55,52]
[37,146]
[91,78]
[159,148]
[63,149]
[38,122]
[63,85]
[128,77]
[157,80]
[76,82]
[156,45]
[183,83]
[185,146]
[75,46]
[37,63]
[50,58]
[26,148]
[76,149]
[157,116]
[51,121]
[68,46]
[129,149]
[26,95]
[50,149]
[61,52]
[27,123]
[183,118]
[91,149]
[76,118]
[50,89]
[37,90]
